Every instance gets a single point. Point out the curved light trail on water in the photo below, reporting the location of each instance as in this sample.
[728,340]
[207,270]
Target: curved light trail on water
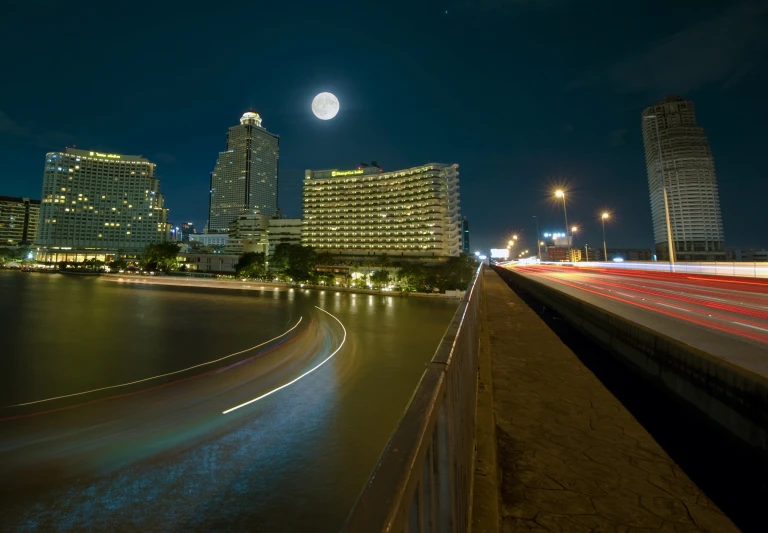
[163,375]
[305,374]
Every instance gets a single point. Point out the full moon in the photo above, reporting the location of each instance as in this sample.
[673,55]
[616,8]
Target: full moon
[325,106]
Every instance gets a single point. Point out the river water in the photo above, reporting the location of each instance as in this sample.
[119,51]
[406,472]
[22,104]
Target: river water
[293,462]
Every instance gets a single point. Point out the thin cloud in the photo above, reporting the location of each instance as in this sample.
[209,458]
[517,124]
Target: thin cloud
[618,137]
[28,131]
[720,51]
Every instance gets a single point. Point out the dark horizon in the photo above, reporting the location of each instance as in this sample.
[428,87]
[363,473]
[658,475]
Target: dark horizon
[524,96]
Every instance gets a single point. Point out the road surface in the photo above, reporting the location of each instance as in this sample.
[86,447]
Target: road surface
[724,317]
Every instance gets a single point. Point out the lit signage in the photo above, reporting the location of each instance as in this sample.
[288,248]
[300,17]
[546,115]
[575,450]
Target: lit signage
[108,156]
[499,253]
[339,173]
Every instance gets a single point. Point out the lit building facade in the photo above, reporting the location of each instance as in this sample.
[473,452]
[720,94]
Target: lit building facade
[410,212]
[283,231]
[248,233]
[678,158]
[244,179]
[99,205]
[18,220]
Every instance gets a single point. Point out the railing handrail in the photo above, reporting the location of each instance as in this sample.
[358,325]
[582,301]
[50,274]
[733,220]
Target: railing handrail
[385,503]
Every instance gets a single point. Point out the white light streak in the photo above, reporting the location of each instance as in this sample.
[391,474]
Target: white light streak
[305,374]
[160,375]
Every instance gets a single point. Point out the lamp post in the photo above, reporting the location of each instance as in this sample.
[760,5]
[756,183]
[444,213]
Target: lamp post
[561,194]
[538,255]
[605,248]
[574,229]
[670,243]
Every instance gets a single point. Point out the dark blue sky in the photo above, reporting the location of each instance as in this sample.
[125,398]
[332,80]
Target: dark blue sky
[523,94]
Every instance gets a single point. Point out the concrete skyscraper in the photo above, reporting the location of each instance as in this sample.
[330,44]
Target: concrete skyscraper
[244,180]
[678,158]
[99,205]
[365,211]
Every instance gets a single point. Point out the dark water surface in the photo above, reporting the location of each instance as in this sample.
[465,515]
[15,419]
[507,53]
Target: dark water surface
[167,459]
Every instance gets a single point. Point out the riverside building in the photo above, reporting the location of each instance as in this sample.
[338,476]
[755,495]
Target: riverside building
[99,205]
[18,220]
[678,158]
[244,179]
[412,212]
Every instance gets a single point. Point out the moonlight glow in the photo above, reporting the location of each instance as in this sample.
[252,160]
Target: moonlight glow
[325,106]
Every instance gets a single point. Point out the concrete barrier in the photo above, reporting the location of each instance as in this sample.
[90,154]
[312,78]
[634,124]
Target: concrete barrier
[732,397]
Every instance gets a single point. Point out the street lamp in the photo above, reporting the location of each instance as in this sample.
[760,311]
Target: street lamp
[605,249]
[664,189]
[574,229]
[561,194]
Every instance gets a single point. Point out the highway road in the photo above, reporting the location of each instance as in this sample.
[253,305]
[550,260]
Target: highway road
[726,317]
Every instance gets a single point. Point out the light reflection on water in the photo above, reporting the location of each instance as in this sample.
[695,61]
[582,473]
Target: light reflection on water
[293,462]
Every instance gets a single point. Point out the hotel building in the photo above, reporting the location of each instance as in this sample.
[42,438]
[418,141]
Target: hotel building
[244,180]
[18,220]
[678,158]
[411,212]
[99,205]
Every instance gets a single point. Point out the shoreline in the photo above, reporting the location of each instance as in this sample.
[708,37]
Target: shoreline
[180,281]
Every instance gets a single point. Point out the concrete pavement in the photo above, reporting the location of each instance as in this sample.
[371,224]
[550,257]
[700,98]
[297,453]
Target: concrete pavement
[571,457]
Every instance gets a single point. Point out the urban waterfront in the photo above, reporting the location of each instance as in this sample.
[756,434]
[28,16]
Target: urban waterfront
[160,454]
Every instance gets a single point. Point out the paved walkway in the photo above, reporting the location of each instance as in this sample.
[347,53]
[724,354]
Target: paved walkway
[571,458]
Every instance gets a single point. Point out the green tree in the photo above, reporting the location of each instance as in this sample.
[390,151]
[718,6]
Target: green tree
[301,262]
[252,265]
[380,278]
[161,256]
[117,264]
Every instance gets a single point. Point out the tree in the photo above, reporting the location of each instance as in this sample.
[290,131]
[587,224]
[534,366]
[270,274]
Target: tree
[379,278]
[161,256]
[117,264]
[252,265]
[301,262]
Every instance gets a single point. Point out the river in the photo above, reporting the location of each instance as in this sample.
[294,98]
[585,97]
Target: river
[102,428]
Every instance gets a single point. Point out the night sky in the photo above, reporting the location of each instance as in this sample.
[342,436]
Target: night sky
[522,94]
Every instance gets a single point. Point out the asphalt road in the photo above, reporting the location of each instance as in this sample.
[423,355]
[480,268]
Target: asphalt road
[726,317]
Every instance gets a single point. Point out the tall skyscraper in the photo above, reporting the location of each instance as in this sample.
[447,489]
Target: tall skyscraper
[678,158]
[244,180]
[99,205]
[18,220]
[409,212]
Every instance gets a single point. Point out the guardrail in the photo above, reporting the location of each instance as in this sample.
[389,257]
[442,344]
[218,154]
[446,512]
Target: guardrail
[719,268]
[423,480]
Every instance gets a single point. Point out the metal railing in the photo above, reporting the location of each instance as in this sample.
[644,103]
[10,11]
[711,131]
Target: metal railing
[423,480]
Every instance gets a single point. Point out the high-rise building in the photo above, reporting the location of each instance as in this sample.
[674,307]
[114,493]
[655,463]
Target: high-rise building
[409,212]
[18,220]
[187,229]
[99,205]
[465,235]
[678,158]
[244,180]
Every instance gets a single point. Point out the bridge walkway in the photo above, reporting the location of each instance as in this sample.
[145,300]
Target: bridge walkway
[570,456]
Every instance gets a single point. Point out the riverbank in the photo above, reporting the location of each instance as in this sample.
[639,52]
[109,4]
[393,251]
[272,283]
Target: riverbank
[177,281]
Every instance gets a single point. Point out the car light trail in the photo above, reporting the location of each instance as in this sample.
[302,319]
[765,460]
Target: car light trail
[160,375]
[305,374]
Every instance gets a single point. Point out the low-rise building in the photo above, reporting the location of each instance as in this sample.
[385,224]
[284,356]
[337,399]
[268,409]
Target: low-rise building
[209,239]
[18,220]
[751,255]
[211,263]
[248,233]
[283,231]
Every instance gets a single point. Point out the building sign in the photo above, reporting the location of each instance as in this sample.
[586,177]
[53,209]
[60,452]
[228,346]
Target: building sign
[499,253]
[108,156]
[340,173]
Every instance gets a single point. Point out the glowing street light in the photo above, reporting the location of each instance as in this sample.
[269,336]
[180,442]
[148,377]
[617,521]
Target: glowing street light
[605,248]
[514,237]
[561,194]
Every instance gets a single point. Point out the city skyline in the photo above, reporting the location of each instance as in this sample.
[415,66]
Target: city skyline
[577,128]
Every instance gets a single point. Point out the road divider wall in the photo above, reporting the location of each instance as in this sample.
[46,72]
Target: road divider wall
[732,397]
